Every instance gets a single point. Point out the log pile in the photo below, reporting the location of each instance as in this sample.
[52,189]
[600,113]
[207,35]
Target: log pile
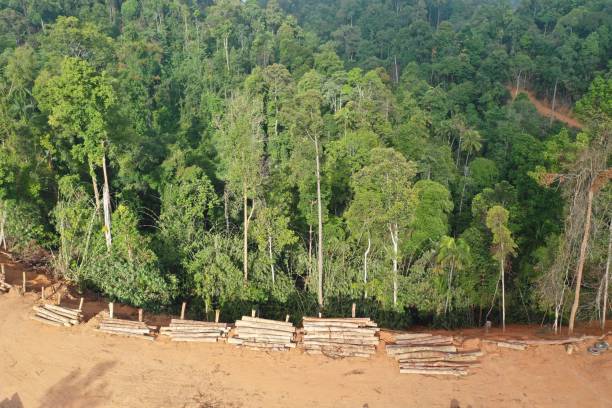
[424,353]
[195,331]
[57,315]
[263,334]
[127,328]
[350,337]
[4,287]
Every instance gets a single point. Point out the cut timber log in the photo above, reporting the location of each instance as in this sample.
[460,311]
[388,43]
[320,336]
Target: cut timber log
[125,328]
[138,336]
[340,337]
[395,349]
[45,321]
[422,353]
[434,371]
[195,330]
[265,334]
[57,314]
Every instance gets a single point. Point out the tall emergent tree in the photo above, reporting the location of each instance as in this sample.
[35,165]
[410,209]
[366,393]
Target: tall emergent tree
[240,146]
[79,101]
[503,245]
[383,198]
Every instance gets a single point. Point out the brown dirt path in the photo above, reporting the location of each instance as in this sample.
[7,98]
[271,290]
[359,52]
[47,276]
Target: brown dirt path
[50,367]
[544,108]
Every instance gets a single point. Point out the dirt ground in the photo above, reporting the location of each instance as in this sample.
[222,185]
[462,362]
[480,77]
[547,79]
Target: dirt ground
[49,367]
[560,113]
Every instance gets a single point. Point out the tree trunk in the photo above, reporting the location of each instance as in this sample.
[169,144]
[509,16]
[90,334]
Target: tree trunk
[245,242]
[394,239]
[465,174]
[503,285]
[583,249]
[606,281]
[552,115]
[94,182]
[271,257]
[518,78]
[450,282]
[2,224]
[309,249]
[320,221]
[107,206]
[365,267]
[226,209]
[226,48]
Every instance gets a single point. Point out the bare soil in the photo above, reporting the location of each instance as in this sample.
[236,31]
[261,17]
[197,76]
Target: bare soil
[76,367]
[562,114]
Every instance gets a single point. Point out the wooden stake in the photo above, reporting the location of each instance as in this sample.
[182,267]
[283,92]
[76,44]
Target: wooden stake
[3,274]
[183,306]
[319,315]
[287,318]
[252,312]
[110,309]
[140,314]
[42,293]
[81,304]
[353,311]
[24,282]
[59,299]
[217,313]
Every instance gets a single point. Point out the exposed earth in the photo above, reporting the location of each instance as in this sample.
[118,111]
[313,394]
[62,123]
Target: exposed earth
[51,367]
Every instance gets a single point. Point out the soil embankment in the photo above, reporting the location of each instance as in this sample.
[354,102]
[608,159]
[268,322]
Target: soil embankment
[50,367]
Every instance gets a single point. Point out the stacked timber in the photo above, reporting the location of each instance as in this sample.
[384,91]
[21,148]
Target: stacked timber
[57,315]
[4,287]
[350,337]
[425,353]
[263,334]
[127,328]
[195,331]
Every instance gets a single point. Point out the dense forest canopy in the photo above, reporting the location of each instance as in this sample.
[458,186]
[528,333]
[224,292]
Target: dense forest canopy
[300,156]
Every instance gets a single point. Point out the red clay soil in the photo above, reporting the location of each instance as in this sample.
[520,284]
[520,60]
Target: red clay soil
[544,108]
[49,367]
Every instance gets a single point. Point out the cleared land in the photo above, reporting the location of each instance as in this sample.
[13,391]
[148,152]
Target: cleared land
[43,366]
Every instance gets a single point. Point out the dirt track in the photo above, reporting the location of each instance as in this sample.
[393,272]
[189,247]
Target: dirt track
[543,107]
[52,367]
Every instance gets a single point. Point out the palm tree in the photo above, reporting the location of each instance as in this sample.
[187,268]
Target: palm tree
[453,254]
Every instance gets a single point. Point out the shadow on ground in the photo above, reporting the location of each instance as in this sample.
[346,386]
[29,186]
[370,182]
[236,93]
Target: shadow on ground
[79,389]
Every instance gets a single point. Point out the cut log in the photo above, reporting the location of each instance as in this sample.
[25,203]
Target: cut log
[395,349]
[254,325]
[138,336]
[267,321]
[434,371]
[49,322]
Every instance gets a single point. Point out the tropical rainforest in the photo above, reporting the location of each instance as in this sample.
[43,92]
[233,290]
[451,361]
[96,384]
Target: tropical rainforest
[300,156]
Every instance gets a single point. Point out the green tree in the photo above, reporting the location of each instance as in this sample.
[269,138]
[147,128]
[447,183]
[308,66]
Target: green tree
[383,199]
[240,146]
[503,246]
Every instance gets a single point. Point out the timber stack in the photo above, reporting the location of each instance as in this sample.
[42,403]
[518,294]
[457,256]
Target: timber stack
[348,337]
[195,331]
[425,353]
[57,315]
[263,334]
[127,328]
[4,287]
